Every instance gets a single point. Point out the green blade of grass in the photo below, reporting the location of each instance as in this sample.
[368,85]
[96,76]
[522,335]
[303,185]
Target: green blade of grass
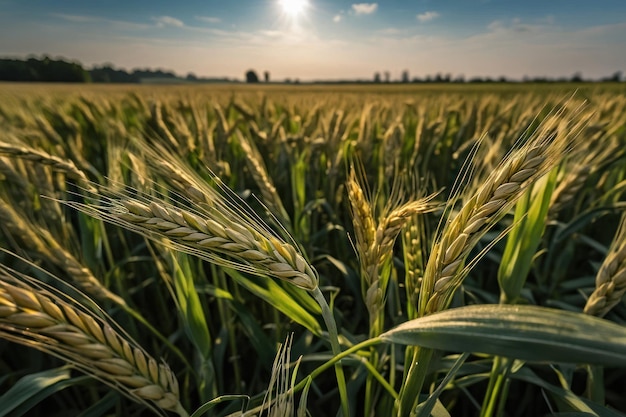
[566,401]
[279,298]
[524,238]
[191,313]
[33,388]
[529,333]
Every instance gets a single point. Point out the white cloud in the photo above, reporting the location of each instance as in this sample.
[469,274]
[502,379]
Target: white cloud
[364,8]
[209,19]
[117,24]
[163,21]
[427,16]
[337,18]
[517,25]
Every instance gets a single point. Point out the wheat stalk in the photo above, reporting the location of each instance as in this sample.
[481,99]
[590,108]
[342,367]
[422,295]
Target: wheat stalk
[210,233]
[445,268]
[41,241]
[156,112]
[48,131]
[30,154]
[185,181]
[414,244]
[260,175]
[9,174]
[595,157]
[34,316]
[568,188]
[611,277]
[375,239]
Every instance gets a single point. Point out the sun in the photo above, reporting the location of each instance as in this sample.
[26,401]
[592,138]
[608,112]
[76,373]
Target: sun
[293,8]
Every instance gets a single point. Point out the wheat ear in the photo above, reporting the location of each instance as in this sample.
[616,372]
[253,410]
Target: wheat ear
[58,164]
[611,277]
[220,234]
[35,317]
[259,173]
[445,269]
[375,239]
[414,244]
[44,244]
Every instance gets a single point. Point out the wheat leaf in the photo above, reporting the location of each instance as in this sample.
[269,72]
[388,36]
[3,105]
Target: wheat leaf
[33,388]
[529,333]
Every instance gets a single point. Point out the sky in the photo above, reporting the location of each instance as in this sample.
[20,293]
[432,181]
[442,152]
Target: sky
[322,39]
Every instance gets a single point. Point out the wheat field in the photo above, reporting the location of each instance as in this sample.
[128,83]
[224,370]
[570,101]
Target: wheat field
[388,250]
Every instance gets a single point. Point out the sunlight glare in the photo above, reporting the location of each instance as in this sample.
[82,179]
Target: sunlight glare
[293,8]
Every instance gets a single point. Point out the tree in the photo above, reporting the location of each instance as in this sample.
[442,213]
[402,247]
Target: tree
[45,70]
[577,77]
[616,77]
[377,77]
[405,76]
[108,74]
[387,76]
[266,75]
[251,77]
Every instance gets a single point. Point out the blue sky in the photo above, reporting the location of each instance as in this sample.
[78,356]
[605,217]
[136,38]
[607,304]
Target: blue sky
[327,39]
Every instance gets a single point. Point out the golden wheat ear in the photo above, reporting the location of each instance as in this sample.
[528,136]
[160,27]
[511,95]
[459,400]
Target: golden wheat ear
[36,315]
[611,277]
[489,201]
[224,231]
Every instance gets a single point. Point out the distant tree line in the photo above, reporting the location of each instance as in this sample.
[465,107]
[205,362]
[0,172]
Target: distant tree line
[447,78]
[44,70]
[108,74]
[47,69]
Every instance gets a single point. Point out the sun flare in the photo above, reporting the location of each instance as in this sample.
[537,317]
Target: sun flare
[293,8]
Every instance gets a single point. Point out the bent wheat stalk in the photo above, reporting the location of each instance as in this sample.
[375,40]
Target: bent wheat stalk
[374,244]
[33,316]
